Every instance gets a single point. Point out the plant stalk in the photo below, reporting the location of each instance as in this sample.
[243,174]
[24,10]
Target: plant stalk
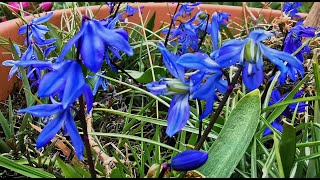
[81,115]
[218,110]
[167,37]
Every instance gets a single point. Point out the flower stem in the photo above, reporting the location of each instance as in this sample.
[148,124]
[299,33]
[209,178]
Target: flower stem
[205,33]
[86,137]
[218,110]
[167,37]
[118,7]
[81,115]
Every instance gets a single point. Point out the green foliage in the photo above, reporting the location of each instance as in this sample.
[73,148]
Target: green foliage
[234,138]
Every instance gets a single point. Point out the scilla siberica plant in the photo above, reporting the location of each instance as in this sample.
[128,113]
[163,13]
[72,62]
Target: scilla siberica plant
[194,74]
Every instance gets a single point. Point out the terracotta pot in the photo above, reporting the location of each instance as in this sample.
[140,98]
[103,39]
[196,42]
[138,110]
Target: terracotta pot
[9,29]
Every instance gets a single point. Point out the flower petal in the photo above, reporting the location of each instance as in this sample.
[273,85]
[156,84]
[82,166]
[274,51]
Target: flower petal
[74,134]
[178,114]
[42,19]
[89,97]
[42,110]
[189,160]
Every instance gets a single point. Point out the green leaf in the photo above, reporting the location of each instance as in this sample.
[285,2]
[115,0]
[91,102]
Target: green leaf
[146,77]
[287,148]
[116,173]
[23,169]
[150,24]
[234,138]
[5,126]
[67,170]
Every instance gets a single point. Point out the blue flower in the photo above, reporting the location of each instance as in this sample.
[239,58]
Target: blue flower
[249,53]
[294,39]
[276,98]
[204,81]
[100,81]
[187,35]
[291,9]
[131,10]
[37,31]
[189,160]
[185,10]
[99,38]
[179,110]
[217,20]
[62,117]
[111,6]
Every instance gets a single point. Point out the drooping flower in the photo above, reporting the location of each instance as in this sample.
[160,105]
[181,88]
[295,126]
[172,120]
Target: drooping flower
[294,39]
[62,118]
[189,160]
[36,31]
[217,20]
[94,39]
[111,6]
[276,98]
[291,9]
[185,10]
[99,81]
[204,81]
[249,53]
[46,6]
[179,110]
[186,33]
[131,10]
[67,82]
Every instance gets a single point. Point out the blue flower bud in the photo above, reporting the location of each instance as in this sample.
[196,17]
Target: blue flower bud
[189,160]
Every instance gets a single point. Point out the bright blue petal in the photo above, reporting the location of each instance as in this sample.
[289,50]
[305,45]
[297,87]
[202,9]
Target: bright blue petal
[74,134]
[178,114]
[42,110]
[170,60]
[71,42]
[74,84]
[54,81]
[89,97]
[278,126]
[16,47]
[50,130]
[92,48]
[42,19]
[197,61]
[48,50]
[23,29]
[189,160]
[252,80]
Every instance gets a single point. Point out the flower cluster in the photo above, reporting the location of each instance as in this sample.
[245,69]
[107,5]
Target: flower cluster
[64,81]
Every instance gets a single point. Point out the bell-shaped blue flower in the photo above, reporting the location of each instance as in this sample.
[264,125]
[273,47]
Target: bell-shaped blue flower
[62,117]
[189,160]
[276,98]
[37,31]
[185,10]
[217,20]
[291,9]
[94,39]
[131,10]
[204,81]
[179,110]
[249,53]
[294,39]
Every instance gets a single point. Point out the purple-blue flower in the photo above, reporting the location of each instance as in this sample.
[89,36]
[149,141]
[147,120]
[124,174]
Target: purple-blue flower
[185,10]
[111,6]
[217,20]
[66,81]
[249,53]
[276,98]
[37,31]
[94,40]
[204,81]
[294,39]
[179,110]
[131,10]
[99,81]
[189,160]
[291,9]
